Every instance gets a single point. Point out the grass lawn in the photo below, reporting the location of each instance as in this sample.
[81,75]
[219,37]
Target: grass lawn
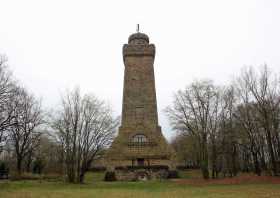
[94,187]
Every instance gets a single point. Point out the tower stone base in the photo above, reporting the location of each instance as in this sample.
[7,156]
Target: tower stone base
[141,174]
[140,161]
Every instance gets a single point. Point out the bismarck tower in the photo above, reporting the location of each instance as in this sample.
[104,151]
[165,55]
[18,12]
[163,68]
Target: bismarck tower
[140,142]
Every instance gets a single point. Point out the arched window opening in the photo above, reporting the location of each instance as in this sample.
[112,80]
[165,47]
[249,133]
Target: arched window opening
[139,138]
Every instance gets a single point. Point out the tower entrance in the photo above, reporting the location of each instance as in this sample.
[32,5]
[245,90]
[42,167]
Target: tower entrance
[140,161]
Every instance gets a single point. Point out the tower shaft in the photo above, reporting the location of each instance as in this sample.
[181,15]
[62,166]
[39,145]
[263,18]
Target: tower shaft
[139,94]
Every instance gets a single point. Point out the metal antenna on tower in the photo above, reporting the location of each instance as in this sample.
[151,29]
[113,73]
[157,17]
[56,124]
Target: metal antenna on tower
[137,28]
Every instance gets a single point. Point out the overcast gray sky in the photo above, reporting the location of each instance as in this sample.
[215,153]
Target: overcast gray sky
[53,45]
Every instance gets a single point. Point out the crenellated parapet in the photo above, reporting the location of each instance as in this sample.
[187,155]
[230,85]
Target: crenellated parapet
[139,50]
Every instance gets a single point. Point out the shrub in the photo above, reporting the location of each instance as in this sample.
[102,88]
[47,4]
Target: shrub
[3,167]
[173,174]
[38,166]
[110,176]
[4,170]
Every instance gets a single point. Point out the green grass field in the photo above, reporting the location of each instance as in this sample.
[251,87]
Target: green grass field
[94,187]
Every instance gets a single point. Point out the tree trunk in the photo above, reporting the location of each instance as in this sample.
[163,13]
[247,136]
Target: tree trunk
[214,160]
[263,163]
[271,153]
[82,176]
[256,164]
[84,168]
[204,158]
[19,163]
[70,169]
[28,162]
[234,157]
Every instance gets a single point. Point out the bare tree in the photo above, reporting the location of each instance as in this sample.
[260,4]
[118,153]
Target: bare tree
[247,117]
[7,92]
[236,128]
[262,91]
[228,136]
[192,112]
[24,135]
[84,126]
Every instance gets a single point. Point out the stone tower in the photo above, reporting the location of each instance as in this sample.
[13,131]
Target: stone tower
[140,141]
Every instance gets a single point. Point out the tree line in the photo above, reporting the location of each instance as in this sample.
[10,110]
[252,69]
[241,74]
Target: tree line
[220,129]
[228,129]
[66,140]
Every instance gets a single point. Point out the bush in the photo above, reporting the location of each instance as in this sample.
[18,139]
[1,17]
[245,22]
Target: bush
[38,166]
[173,174]
[4,170]
[3,167]
[110,176]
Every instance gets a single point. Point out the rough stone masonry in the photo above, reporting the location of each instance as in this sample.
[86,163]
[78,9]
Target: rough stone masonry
[140,141]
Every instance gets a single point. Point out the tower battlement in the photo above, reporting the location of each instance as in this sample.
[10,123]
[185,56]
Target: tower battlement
[139,50]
